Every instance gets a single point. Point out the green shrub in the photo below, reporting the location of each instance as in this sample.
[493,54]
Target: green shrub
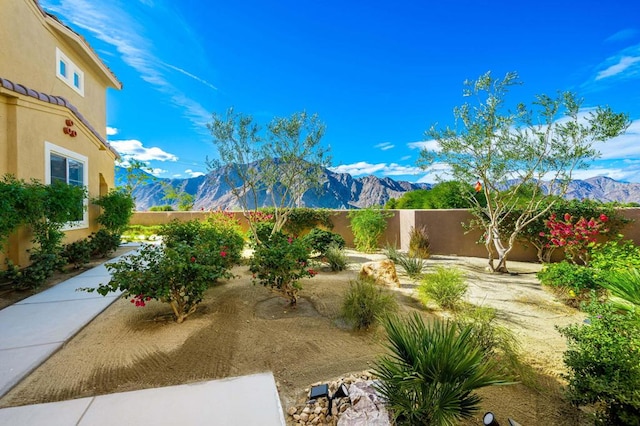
[564,274]
[412,265]
[279,262]
[603,363]
[103,243]
[419,242]
[320,240]
[445,286]
[301,219]
[220,236]
[432,371]
[368,225]
[336,258]
[42,266]
[615,255]
[365,303]
[163,208]
[78,253]
[117,208]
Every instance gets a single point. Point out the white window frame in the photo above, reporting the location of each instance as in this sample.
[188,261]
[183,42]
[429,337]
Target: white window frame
[50,148]
[71,70]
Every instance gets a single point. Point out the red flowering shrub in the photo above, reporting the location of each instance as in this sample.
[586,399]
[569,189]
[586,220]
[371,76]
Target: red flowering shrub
[192,258]
[280,262]
[575,236]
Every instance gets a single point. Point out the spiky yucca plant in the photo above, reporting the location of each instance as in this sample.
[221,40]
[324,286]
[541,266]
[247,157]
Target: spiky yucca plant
[432,371]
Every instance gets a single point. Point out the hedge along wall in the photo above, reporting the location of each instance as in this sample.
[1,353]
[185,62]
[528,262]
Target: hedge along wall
[446,233]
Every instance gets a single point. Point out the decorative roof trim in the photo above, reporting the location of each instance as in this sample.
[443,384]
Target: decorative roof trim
[56,100]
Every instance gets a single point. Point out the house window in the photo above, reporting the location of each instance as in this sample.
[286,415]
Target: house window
[62,165]
[69,72]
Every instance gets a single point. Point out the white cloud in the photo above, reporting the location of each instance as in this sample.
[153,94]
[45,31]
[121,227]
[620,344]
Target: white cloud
[193,174]
[115,26]
[624,146]
[430,145]
[623,64]
[622,35]
[405,158]
[435,173]
[384,146]
[133,149]
[111,131]
[157,172]
[363,168]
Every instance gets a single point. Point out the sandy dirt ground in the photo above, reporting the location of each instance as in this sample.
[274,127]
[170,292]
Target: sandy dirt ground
[241,328]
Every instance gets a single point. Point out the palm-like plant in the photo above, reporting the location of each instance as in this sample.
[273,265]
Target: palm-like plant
[432,372]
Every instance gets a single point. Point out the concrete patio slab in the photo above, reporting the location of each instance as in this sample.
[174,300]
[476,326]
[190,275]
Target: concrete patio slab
[247,400]
[18,362]
[63,413]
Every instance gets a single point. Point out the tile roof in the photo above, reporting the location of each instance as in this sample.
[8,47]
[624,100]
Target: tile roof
[56,100]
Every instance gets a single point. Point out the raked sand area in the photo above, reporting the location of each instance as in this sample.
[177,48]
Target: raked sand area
[243,329]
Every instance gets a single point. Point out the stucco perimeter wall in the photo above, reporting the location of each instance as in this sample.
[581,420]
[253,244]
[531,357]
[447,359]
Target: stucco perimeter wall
[446,233]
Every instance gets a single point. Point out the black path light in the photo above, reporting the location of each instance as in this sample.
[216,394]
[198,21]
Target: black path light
[489,419]
[322,391]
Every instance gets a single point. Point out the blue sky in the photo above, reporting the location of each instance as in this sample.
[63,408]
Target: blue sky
[377,73]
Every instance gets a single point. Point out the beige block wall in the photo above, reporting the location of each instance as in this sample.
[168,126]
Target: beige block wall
[445,229]
[28,57]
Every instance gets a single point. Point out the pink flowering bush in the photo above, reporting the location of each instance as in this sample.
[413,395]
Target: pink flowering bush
[575,236]
[279,262]
[191,259]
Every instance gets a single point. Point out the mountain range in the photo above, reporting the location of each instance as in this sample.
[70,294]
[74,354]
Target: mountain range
[342,191]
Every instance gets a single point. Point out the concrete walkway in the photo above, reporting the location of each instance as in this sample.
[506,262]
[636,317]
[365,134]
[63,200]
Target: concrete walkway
[34,328]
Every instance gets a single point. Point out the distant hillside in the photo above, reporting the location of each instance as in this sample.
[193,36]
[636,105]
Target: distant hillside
[339,191]
[342,191]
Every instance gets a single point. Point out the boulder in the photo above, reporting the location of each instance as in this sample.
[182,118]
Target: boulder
[383,272]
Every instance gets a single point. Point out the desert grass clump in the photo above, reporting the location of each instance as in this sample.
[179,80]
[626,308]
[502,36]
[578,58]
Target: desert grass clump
[445,286]
[432,371]
[419,242]
[336,258]
[392,252]
[412,265]
[365,303]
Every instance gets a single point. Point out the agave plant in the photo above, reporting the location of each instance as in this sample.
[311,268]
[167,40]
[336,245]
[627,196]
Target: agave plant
[432,372]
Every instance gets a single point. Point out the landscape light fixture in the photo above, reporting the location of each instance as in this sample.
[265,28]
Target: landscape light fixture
[489,419]
[322,391]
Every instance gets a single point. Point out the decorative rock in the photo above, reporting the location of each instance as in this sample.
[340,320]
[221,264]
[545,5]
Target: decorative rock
[304,417]
[292,410]
[318,410]
[383,272]
[307,410]
[296,417]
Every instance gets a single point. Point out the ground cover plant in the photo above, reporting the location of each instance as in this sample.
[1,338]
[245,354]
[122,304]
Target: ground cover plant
[413,265]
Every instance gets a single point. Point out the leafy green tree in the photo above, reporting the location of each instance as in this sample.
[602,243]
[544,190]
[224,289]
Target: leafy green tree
[183,199]
[506,150]
[285,161]
[138,174]
[443,195]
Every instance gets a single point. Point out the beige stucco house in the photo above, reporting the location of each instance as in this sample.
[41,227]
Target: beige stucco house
[52,110]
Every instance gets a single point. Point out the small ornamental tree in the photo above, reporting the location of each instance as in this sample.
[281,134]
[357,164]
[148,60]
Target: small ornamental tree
[273,168]
[507,150]
[575,236]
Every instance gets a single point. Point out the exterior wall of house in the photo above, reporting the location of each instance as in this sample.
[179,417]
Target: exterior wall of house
[28,57]
[33,122]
